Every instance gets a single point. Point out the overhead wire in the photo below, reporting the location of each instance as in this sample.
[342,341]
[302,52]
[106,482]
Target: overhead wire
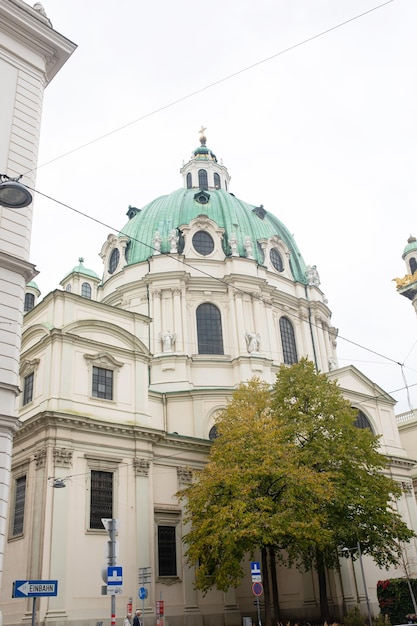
[211,85]
[177,259]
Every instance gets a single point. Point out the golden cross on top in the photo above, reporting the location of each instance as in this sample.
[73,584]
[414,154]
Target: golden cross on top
[202,130]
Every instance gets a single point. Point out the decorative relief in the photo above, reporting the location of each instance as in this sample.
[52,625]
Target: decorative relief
[103,358]
[40,457]
[27,367]
[62,456]
[407,487]
[156,293]
[253,341]
[141,467]
[185,475]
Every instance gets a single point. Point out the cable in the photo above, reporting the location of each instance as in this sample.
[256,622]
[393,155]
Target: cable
[211,85]
[220,280]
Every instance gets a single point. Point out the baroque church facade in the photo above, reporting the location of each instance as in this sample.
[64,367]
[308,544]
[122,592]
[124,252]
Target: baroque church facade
[122,378]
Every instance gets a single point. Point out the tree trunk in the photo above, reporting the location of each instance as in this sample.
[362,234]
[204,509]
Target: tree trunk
[267,595]
[274,584]
[324,603]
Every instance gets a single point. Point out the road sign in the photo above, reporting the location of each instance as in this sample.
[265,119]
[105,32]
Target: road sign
[255,570]
[114,576]
[257,589]
[142,593]
[34,588]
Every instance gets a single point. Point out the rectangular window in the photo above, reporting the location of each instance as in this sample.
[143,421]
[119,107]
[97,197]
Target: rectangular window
[102,383]
[19,506]
[28,388]
[167,551]
[101,497]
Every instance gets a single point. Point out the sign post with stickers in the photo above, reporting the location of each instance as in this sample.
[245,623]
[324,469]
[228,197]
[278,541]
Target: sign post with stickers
[257,587]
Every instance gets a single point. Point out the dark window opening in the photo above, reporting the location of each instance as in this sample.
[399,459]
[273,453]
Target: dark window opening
[19,506]
[86,290]
[29,302]
[289,348]
[28,388]
[276,260]
[101,497]
[362,421]
[209,329]
[189,181]
[114,261]
[203,243]
[213,434]
[102,383]
[202,179]
[413,265]
[217,182]
[167,551]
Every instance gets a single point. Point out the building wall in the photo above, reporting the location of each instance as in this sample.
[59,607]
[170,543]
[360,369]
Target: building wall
[30,55]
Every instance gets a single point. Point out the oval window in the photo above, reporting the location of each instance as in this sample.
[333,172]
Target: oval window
[203,243]
[114,261]
[276,260]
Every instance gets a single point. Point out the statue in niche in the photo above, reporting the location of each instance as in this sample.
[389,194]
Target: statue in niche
[248,248]
[156,242]
[173,241]
[312,275]
[233,244]
[253,341]
[168,341]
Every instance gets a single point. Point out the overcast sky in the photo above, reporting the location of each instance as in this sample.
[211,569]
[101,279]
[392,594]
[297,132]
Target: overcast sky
[323,135]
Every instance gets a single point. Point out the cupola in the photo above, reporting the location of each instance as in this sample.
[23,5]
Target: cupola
[203,171]
[81,281]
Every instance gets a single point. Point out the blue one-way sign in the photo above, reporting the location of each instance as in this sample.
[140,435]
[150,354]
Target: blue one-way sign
[34,588]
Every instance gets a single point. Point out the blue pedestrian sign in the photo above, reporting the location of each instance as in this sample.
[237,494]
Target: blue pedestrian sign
[34,588]
[142,593]
[114,576]
[255,570]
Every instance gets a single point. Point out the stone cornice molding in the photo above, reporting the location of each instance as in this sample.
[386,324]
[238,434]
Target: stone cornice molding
[28,366]
[40,457]
[31,29]
[14,264]
[9,424]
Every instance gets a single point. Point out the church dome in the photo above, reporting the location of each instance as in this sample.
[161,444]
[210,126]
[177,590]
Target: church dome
[150,230]
[81,270]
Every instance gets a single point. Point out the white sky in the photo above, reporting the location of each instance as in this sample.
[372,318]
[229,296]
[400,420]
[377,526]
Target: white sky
[324,136]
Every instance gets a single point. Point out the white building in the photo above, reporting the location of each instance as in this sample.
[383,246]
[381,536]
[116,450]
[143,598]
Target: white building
[31,53]
[122,379]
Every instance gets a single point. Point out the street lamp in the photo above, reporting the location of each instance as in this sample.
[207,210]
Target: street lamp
[13,195]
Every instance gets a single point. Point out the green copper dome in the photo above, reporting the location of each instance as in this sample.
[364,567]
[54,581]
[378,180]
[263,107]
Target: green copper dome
[80,269]
[233,215]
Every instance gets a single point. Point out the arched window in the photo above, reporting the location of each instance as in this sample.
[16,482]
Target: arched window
[189,181]
[413,265]
[289,348]
[114,261]
[68,288]
[86,290]
[217,182]
[362,421]
[202,179]
[213,434]
[29,302]
[209,329]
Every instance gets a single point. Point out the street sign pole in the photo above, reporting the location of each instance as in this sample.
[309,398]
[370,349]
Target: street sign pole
[111,526]
[34,611]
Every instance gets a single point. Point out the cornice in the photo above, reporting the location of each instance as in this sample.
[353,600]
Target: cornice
[14,264]
[34,32]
